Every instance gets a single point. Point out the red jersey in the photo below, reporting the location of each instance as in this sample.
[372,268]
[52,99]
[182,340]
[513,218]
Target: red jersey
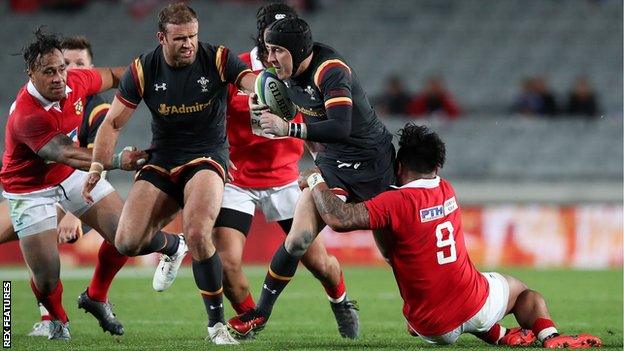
[263,161]
[33,121]
[440,287]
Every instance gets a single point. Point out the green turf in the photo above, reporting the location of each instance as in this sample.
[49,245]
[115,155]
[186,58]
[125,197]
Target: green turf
[580,301]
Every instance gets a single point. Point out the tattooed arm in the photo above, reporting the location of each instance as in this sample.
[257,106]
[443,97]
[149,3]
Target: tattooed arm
[340,216]
[62,149]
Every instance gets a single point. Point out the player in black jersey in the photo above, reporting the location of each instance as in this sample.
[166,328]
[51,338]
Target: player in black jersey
[357,160]
[183,82]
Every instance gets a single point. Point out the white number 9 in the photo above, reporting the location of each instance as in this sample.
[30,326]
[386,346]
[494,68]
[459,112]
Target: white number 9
[449,241]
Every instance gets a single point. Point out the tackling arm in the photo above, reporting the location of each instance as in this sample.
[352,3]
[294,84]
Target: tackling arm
[340,216]
[110,76]
[62,149]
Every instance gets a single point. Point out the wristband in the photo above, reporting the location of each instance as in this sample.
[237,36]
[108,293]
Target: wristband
[297,130]
[96,167]
[116,161]
[315,179]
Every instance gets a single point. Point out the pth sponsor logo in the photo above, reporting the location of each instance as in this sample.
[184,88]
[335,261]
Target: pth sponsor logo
[431,213]
[6,314]
[165,109]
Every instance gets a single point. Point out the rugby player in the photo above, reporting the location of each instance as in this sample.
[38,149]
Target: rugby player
[357,157]
[42,166]
[184,84]
[420,233]
[266,177]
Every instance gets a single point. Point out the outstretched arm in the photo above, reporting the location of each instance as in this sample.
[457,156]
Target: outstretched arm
[110,76]
[62,149]
[338,215]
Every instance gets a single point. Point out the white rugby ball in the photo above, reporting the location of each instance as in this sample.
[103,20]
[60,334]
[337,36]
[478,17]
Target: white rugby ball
[272,92]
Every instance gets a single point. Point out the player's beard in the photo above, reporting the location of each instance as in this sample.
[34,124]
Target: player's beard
[183,59]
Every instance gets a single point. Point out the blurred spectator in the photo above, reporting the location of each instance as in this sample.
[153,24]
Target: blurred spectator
[582,99]
[395,99]
[434,99]
[528,102]
[535,98]
[549,104]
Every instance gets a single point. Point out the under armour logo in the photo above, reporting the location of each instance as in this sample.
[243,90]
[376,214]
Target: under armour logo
[310,91]
[203,82]
[215,307]
[265,287]
[349,164]
[162,86]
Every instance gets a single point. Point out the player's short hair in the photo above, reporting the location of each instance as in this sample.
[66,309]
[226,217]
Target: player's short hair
[265,16]
[44,43]
[178,13]
[78,42]
[420,149]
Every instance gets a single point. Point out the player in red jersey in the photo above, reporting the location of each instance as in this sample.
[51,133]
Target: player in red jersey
[41,167]
[444,294]
[266,176]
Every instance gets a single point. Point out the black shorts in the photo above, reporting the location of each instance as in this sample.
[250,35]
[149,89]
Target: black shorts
[359,180]
[170,173]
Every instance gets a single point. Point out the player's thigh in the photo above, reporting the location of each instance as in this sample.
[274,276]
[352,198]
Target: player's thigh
[40,251]
[104,215]
[6,227]
[203,194]
[278,203]
[307,223]
[147,209]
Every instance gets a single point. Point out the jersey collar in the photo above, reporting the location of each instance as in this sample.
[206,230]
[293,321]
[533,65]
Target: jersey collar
[45,103]
[424,183]
[256,65]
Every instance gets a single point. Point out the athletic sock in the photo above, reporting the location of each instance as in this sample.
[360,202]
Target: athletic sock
[45,315]
[281,271]
[493,335]
[247,304]
[108,264]
[53,301]
[543,328]
[208,277]
[336,293]
[162,242]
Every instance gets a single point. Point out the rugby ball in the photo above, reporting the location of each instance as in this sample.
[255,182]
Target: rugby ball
[272,92]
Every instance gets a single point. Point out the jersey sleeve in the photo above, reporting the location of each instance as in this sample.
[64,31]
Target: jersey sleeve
[132,85]
[231,68]
[382,208]
[333,79]
[89,79]
[35,130]
[94,120]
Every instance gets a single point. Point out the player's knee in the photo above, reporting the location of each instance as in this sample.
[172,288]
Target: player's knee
[297,243]
[126,246]
[197,237]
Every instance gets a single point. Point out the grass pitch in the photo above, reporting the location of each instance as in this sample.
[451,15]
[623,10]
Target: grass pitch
[580,301]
